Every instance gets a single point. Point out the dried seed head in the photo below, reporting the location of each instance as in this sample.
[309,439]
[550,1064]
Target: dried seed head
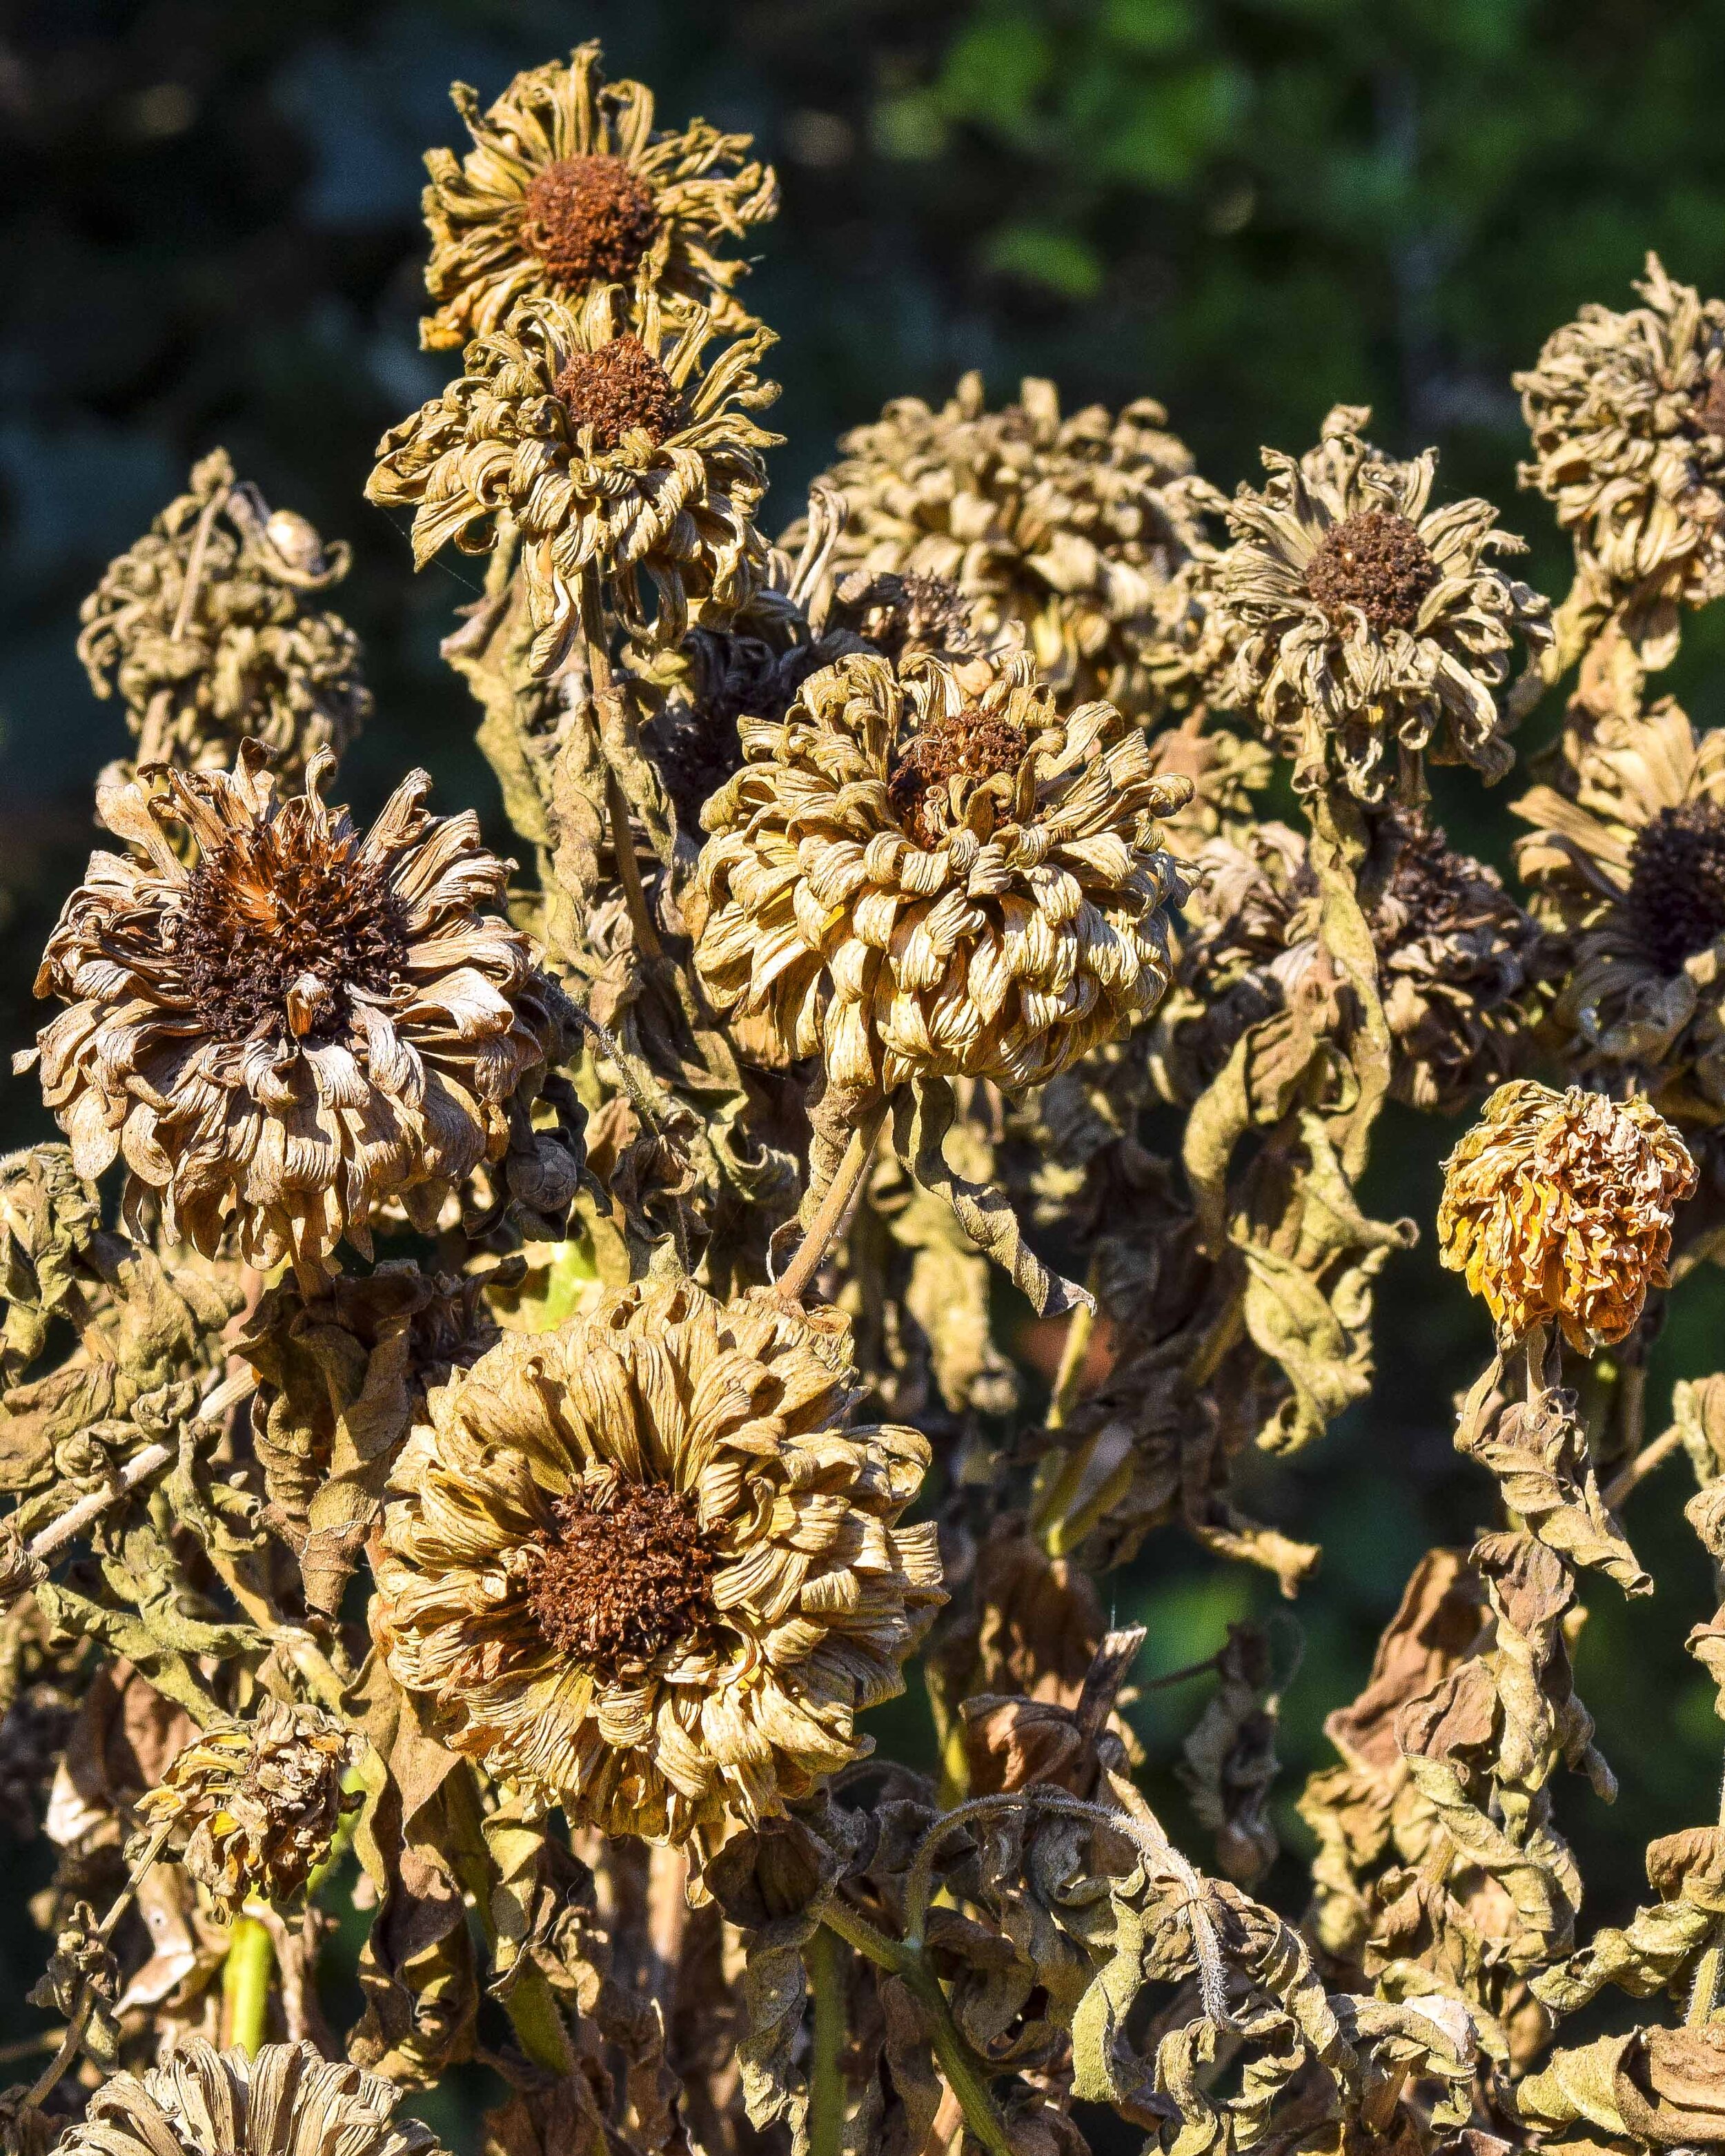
[587,217]
[279,928]
[627,1575]
[971,744]
[1375,561]
[1677,889]
[617,388]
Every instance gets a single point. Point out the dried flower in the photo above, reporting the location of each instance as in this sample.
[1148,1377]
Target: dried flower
[921,880]
[300,1024]
[253,1805]
[1629,858]
[614,449]
[206,627]
[1367,628]
[286,2102]
[569,184]
[1559,1206]
[1079,528]
[1627,413]
[639,1564]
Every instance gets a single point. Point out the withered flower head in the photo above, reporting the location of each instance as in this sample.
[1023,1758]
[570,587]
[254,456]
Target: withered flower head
[1629,859]
[208,628]
[639,1564]
[1627,413]
[1079,528]
[569,184]
[920,879]
[615,449]
[299,1025]
[286,2102]
[1458,967]
[1559,1206]
[253,1805]
[1366,627]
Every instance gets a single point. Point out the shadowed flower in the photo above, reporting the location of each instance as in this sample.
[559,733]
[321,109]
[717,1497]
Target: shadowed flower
[639,1564]
[618,451]
[1558,1207]
[252,1806]
[1079,528]
[1629,859]
[920,879]
[1367,628]
[286,2102]
[1627,413]
[207,628]
[569,184]
[301,1024]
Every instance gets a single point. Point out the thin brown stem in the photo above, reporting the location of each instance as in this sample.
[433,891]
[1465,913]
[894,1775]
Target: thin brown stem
[1629,1477]
[835,1202]
[194,563]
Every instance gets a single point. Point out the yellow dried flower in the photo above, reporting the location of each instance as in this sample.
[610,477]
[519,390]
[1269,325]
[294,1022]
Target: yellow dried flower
[1559,1206]
[207,628]
[252,1806]
[297,1026]
[920,879]
[1627,413]
[614,449]
[639,1564]
[569,184]
[1367,628]
[1081,529]
[288,2101]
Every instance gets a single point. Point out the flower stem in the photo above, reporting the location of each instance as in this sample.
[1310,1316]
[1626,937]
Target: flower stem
[826,2076]
[835,1202]
[245,1985]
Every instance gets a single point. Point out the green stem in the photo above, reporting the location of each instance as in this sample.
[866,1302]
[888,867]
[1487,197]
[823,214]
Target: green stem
[245,1984]
[826,2071]
[530,2001]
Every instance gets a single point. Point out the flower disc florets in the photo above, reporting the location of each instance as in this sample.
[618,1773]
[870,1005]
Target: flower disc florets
[640,1564]
[296,1025]
[569,184]
[922,878]
[1558,1209]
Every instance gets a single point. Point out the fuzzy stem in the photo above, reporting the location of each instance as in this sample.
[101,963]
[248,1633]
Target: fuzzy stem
[246,1977]
[1704,1993]
[835,1202]
[826,2074]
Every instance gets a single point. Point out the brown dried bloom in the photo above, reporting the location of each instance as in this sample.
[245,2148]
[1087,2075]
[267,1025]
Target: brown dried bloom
[1558,1206]
[252,1805]
[569,184]
[1366,627]
[614,449]
[288,2101]
[1079,528]
[919,879]
[639,1564]
[301,1024]
[207,628]
[1629,859]
[1627,413]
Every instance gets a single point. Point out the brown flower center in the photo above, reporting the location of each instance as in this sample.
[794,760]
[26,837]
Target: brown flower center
[1709,407]
[971,744]
[278,930]
[1677,889]
[915,612]
[1374,561]
[1431,891]
[626,1575]
[617,387]
[589,217]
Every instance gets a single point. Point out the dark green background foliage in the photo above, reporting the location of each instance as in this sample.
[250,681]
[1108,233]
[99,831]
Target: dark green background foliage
[1250,208]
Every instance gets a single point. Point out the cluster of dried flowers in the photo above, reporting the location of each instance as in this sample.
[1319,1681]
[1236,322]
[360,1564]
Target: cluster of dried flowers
[523,1592]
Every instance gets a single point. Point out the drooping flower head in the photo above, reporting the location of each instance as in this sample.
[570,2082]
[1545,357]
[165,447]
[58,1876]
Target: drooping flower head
[1629,858]
[252,1806]
[1079,528]
[208,628]
[569,185]
[920,878]
[299,1024]
[1368,628]
[1627,413]
[289,2100]
[1558,1208]
[622,450]
[639,1564]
